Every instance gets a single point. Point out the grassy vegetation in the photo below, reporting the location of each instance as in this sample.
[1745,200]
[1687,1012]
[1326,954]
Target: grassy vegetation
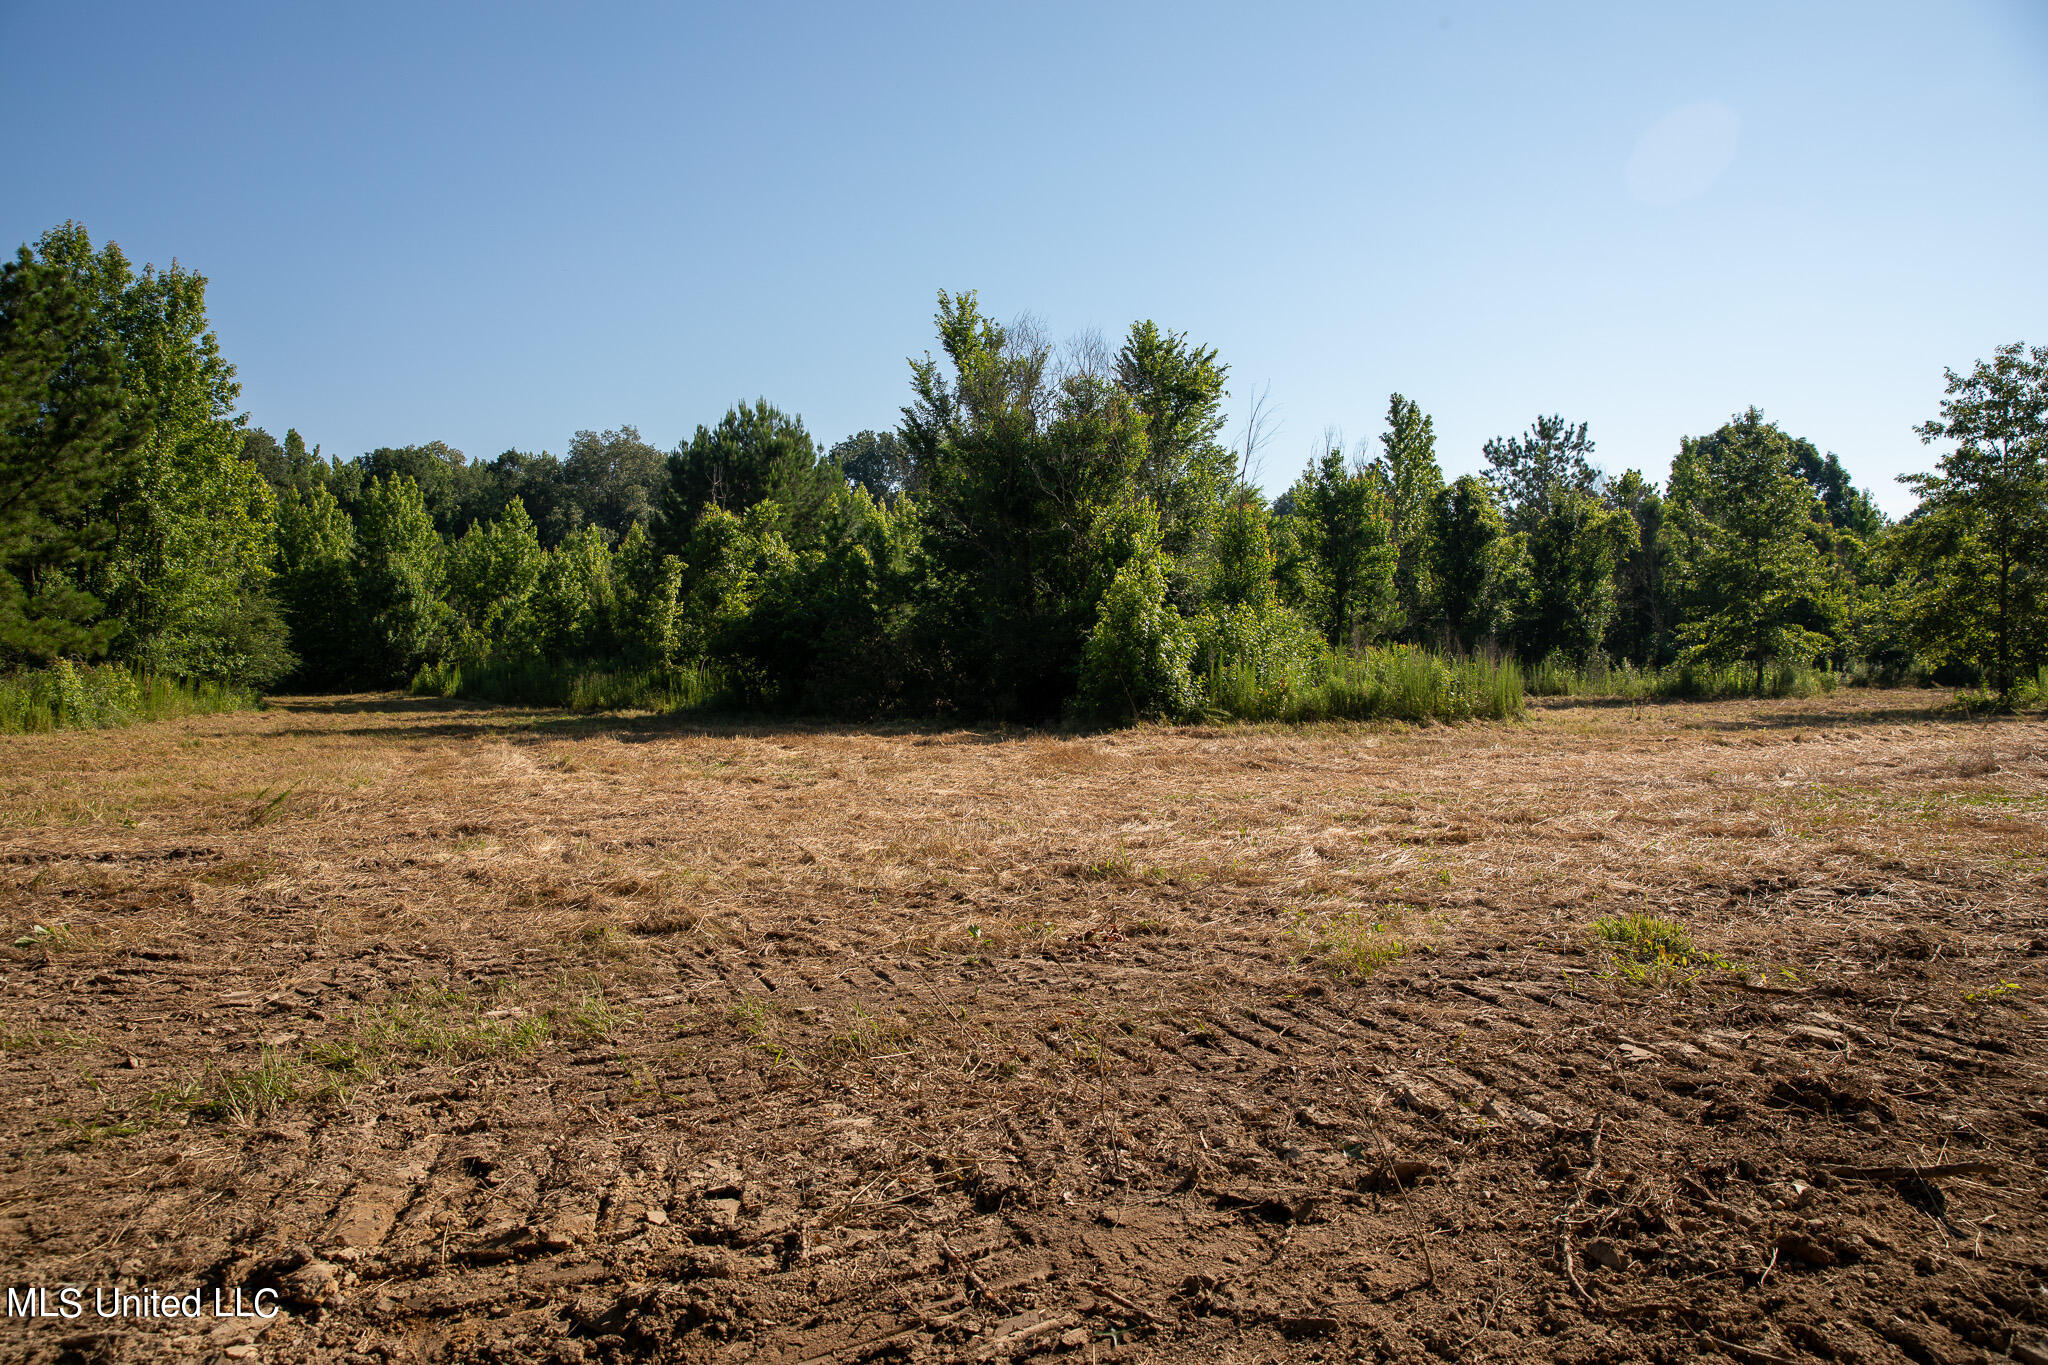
[576,686]
[1675,682]
[67,696]
[1351,945]
[1397,683]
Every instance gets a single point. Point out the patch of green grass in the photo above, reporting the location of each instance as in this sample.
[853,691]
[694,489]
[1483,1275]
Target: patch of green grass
[592,1018]
[1646,938]
[35,1039]
[247,1097]
[1353,945]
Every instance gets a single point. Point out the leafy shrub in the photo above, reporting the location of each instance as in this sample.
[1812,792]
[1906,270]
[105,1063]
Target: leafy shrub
[68,696]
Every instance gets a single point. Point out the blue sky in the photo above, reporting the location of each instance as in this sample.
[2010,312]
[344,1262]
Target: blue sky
[496,225]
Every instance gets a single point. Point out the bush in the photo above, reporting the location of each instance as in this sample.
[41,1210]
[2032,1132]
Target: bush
[1136,660]
[67,696]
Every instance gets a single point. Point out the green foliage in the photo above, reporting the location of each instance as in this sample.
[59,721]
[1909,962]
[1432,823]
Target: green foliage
[316,545]
[578,685]
[68,696]
[66,435]
[184,524]
[1019,472]
[1135,663]
[1747,529]
[400,575]
[1979,555]
[1177,389]
[1568,595]
[877,461]
[1476,564]
[614,478]
[1534,472]
[1411,483]
[755,456]
[1343,557]
[1401,682]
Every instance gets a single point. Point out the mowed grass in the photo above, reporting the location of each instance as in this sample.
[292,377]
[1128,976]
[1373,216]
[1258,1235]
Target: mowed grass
[586,857]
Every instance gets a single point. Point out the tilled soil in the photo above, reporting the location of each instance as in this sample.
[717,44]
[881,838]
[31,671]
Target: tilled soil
[479,1035]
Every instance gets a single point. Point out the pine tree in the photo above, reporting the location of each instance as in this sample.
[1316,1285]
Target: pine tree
[1747,532]
[1983,562]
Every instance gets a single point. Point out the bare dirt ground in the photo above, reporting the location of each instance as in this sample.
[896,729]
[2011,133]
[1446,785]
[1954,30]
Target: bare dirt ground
[484,1035]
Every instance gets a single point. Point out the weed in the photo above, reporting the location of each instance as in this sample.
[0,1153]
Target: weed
[593,1018]
[45,1039]
[247,1097]
[1647,938]
[1352,945]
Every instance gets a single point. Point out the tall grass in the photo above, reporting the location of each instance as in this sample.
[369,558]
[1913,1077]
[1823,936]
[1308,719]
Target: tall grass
[1675,682]
[1397,683]
[68,696]
[576,686]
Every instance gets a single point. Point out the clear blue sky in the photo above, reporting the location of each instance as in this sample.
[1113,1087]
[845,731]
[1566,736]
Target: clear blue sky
[496,225]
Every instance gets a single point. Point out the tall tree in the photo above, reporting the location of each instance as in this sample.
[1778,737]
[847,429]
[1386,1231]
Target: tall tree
[879,462]
[1569,588]
[1530,472]
[1411,482]
[401,578]
[65,437]
[191,523]
[1340,531]
[1023,477]
[1178,388]
[756,453]
[316,546]
[1986,587]
[616,476]
[1476,563]
[1748,530]
[1645,609]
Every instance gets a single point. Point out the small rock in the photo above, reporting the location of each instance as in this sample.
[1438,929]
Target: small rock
[1606,1254]
[2030,1352]
[657,1216]
[725,1213]
[242,1352]
[1078,1336]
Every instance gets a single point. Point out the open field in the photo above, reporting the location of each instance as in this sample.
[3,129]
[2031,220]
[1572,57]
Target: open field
[500,1036]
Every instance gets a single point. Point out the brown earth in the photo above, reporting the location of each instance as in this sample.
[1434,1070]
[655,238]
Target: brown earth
[486,1035]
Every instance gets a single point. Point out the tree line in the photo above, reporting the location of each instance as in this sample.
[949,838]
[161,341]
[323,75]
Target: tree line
[1046,531]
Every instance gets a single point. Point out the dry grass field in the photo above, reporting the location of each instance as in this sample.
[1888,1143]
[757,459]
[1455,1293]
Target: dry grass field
[1666,1033]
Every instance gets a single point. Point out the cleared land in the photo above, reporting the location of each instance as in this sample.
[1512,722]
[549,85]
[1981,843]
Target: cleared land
[491,1035]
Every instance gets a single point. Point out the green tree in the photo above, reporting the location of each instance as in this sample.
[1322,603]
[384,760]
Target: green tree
[1748,532]
[1177,387]
[1645,614]
[1343,578]
[492,572]
[66,436]
[1475,562]
[1532,471]
[1982,556]
[1568,593]
[316,550]
[1411,482]
[615,476]
[1020,472]
[190,522]
[401,575]
[445,478]
[1136,659]
[755,454]
[879,462]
